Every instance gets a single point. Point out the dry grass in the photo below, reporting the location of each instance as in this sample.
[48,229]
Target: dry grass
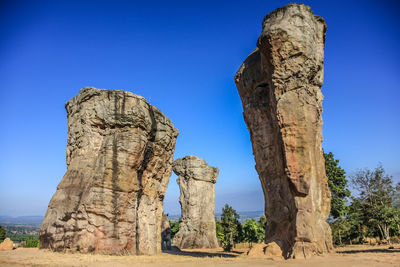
[347,256]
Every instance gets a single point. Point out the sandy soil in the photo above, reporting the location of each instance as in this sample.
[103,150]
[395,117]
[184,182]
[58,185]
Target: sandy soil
[348,256]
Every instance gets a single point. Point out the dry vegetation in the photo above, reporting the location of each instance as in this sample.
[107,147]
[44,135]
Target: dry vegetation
[356,255]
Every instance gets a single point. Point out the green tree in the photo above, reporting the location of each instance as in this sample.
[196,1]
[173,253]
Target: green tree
[396,230]
[219,230]
[174,226]
[351,227]
[377,197]
[338,185]
[2,233]
[396,220]
[340,229]
[231,227]
[356,222]
[32,242]
[253,232]
[262,222]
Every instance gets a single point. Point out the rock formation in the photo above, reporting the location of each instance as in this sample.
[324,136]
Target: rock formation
[196,182]
[165,233]
[280,87]
[119,160]
[270,250]
[6,245]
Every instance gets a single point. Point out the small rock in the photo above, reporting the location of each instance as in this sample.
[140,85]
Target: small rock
[7,244]
[256,250]
[272,249]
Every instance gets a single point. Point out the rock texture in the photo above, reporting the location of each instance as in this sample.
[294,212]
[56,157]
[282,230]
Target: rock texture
[280,88]
[6,245]
[165,234]
[270,250]
[196,182]
[119,160]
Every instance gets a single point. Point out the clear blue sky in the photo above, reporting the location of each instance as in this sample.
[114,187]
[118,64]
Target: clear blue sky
[182,57]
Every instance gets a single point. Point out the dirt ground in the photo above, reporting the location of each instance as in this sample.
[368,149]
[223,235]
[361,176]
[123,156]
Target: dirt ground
[355,255]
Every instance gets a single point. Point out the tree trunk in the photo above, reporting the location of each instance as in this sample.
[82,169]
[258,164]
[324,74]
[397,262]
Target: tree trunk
[384,229]
[381,231]
[386,232]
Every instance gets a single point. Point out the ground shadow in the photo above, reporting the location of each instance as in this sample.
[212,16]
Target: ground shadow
[372,250]
[202,254]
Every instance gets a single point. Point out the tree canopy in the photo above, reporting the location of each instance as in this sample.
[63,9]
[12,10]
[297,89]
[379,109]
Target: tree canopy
[377,199]
[229,228]
[2,233]
[253,231]
[338,185]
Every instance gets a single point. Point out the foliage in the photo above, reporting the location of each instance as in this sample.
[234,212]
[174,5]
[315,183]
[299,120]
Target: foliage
[32,242]
[219,230]
[16,238]
[341,223]
[2,233]
[375,211]
[346,229]
[263,222]
[19,233]
[174,228]
[340,229]
[338,185]
[377,197]
[253,232]
[230,228]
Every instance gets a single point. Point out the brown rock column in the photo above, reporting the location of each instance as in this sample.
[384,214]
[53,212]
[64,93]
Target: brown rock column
[119,160]
[196,182]
[280,87]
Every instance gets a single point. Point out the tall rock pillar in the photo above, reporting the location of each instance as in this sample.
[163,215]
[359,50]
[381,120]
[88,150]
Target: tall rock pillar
[196,182]
[280,87]
[119,160]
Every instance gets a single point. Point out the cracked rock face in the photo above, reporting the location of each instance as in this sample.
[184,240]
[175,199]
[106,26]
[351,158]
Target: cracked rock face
[280,87]
[196,182]
[119,159]
[165,233]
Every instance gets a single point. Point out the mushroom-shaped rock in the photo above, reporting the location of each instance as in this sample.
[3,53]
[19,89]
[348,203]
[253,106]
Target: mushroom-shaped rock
[119,160]
[196,182]
[280,87]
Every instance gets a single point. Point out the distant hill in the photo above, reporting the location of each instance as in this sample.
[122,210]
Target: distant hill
[246,215]
[243,216]
[21,220]
[37,220]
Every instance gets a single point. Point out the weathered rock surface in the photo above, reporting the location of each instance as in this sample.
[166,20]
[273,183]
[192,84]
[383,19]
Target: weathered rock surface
[6,245]
[119,160]
[280,87]
[165,233]
[196,182]
[270,250]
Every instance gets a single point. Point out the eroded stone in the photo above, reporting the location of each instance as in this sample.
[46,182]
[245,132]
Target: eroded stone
[6,245]
[280,87]
[196,182]
[119,159]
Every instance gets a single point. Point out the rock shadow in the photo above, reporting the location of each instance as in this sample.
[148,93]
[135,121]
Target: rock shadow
[372,250]
[202,254]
